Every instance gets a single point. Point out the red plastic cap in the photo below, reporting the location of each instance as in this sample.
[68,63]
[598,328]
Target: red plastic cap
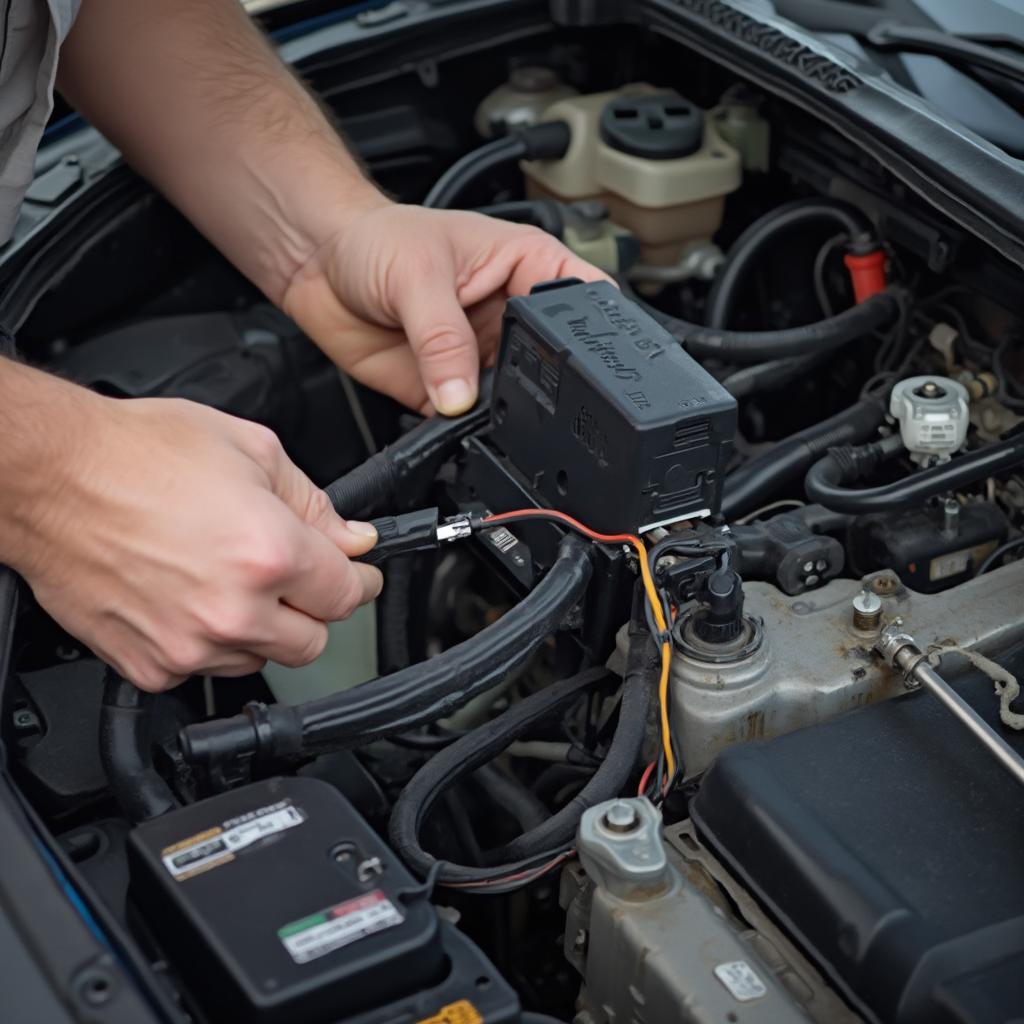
[867,273]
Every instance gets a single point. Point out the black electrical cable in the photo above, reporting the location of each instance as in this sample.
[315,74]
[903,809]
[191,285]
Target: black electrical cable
[995,556]
[828,480]
[751,244]
[639,684]
[125,751]
[393,613]
[786,462]
[400,469]
[404,700]
[462,758]
[547,141]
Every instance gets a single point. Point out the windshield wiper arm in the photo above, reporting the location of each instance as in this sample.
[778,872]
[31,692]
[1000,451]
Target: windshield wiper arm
[955,49]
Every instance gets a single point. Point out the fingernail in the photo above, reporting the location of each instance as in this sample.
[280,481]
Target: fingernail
[363,529]
[454,396]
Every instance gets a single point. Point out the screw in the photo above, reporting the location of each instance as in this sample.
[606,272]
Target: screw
[950,516]
[26,721]
[808,567]
[867,611]
[621,817]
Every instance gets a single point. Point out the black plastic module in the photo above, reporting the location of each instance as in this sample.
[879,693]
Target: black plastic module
[890,843]
[605,414]
[278,903]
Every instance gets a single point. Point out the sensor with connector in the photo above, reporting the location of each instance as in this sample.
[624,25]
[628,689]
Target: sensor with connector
[933,416]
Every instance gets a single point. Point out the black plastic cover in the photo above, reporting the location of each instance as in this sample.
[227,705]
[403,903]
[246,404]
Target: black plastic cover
[602,411]
[278,903]
[891,843]
[659,127]
[916,544]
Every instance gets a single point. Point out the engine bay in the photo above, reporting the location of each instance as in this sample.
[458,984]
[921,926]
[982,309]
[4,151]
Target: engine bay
[692,694]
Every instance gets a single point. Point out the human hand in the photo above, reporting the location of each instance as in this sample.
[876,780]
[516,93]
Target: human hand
[176,540]
[409,301]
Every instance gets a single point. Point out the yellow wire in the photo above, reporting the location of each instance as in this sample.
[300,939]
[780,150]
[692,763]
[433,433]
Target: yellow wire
[666,655]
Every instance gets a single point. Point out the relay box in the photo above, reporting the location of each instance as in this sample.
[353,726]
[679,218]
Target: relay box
[282,905]
[604,414]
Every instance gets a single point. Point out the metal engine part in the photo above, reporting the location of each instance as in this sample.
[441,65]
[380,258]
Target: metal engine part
[813,662]
[652,942]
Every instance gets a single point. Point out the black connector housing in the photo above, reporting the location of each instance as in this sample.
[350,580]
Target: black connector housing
[281,904]
[605,415]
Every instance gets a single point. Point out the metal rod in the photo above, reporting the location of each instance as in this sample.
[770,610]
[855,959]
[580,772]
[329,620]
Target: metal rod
[998,747]
[901,651]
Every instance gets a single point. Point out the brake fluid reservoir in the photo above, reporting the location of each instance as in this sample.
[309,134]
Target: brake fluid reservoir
[657,162]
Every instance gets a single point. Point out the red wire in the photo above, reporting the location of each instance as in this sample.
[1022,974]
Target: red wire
[548,513]
[646,778]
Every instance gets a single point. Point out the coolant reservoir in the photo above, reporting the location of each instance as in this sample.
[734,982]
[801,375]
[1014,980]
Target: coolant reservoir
[657,161]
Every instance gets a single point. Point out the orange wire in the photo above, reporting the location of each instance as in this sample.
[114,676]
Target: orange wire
[649,588]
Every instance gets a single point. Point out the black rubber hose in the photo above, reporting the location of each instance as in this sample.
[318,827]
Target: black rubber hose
[415,696]
[546,214]
[126,751]
[612,775]
[785,463]
[463,757]
[771,376]
[547,141]
[750,246]
[401,468]
[828,480]
[872,314]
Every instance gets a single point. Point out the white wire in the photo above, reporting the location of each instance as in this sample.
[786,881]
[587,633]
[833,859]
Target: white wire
[781,503]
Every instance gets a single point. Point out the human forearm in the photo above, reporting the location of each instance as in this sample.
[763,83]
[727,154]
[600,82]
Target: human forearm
[201,105]
[42,420]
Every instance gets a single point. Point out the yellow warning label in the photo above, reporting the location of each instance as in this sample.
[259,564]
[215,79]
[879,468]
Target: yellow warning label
[185,844]
[462,1012]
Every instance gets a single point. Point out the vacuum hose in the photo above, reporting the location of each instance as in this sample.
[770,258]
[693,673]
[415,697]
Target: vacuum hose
[750,246]
[547,141]
[754,483]
[828,479]
[872,314]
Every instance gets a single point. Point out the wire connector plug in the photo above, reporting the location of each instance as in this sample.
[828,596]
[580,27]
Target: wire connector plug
[414,531]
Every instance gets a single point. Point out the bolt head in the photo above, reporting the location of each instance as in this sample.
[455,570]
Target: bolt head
[867,603]
[621,816]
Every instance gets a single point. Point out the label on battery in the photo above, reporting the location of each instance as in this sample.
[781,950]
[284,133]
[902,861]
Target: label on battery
[218,845]
[319,934]
[462,1012]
